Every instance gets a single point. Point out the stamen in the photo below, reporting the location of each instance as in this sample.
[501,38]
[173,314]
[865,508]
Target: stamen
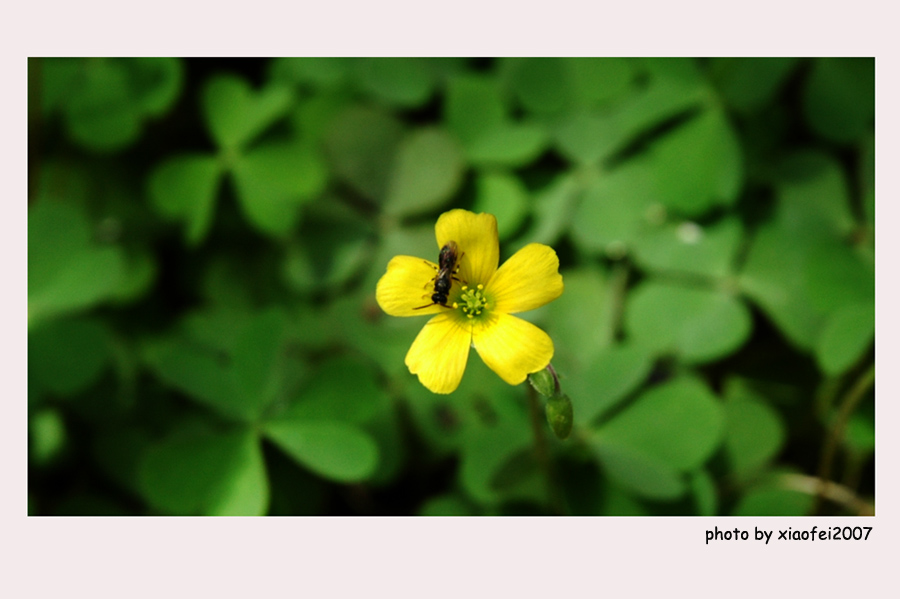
[472,301]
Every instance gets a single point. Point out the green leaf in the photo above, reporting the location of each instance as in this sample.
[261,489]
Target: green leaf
[750,83]
[441,423]
[586,138]
[638,473]
[608,379]
[859,436]
[582,318]
[202,374]
[703,488]
[332,245]
[137,277]
[696,324]
[698,166]
[754,432]
[476,112]
[68,356]
[679,424]
[235,113]
[619,503]
[813,194]
[799,275]
[553,206]
[334,450]
[447,505]
[472,106]
[184,188]
[333,396]
[848,332]
[509,145]
[427,171]
[255,358]
[836,276]
[541,84]
[216,327]
[388,430]
[155,82]
[246,491]
[505,196]
[66,271]
[614,209]
[100,114]
[599,81]
[485,451]
[690,248]
[405,82]
[58,76]
[106,100]
[362,144]
[274,181]
[767,500]
[316,72]
[867,183]
[313,115]
[671,87]
[555,85]
[206,473]
[384,340]
[771,277]
[839,98]
[47,436]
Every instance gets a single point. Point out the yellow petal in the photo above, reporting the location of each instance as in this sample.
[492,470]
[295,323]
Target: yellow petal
[511,347]
[476,235]
[528,280]
[439,353]
[407,285]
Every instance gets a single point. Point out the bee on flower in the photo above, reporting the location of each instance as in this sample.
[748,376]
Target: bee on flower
[473,302]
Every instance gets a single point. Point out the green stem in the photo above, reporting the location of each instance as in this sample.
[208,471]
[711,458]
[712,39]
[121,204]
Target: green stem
[834,492]
[542,451]
[836,434]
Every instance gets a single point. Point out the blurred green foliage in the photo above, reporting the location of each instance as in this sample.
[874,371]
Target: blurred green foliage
[204,239]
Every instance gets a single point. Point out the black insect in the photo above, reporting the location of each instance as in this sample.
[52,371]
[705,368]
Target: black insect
[447,267]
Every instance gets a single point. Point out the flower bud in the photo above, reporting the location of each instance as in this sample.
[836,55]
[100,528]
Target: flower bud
[543,382]
[559,415]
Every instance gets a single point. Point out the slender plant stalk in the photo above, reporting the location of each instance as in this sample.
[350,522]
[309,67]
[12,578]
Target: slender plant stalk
[834,492]
[836,433]
[542,451]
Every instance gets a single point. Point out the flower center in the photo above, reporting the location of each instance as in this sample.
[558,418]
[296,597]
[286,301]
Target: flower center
[472,301]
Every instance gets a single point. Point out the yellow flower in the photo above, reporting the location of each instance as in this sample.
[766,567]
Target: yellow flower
[479,304]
